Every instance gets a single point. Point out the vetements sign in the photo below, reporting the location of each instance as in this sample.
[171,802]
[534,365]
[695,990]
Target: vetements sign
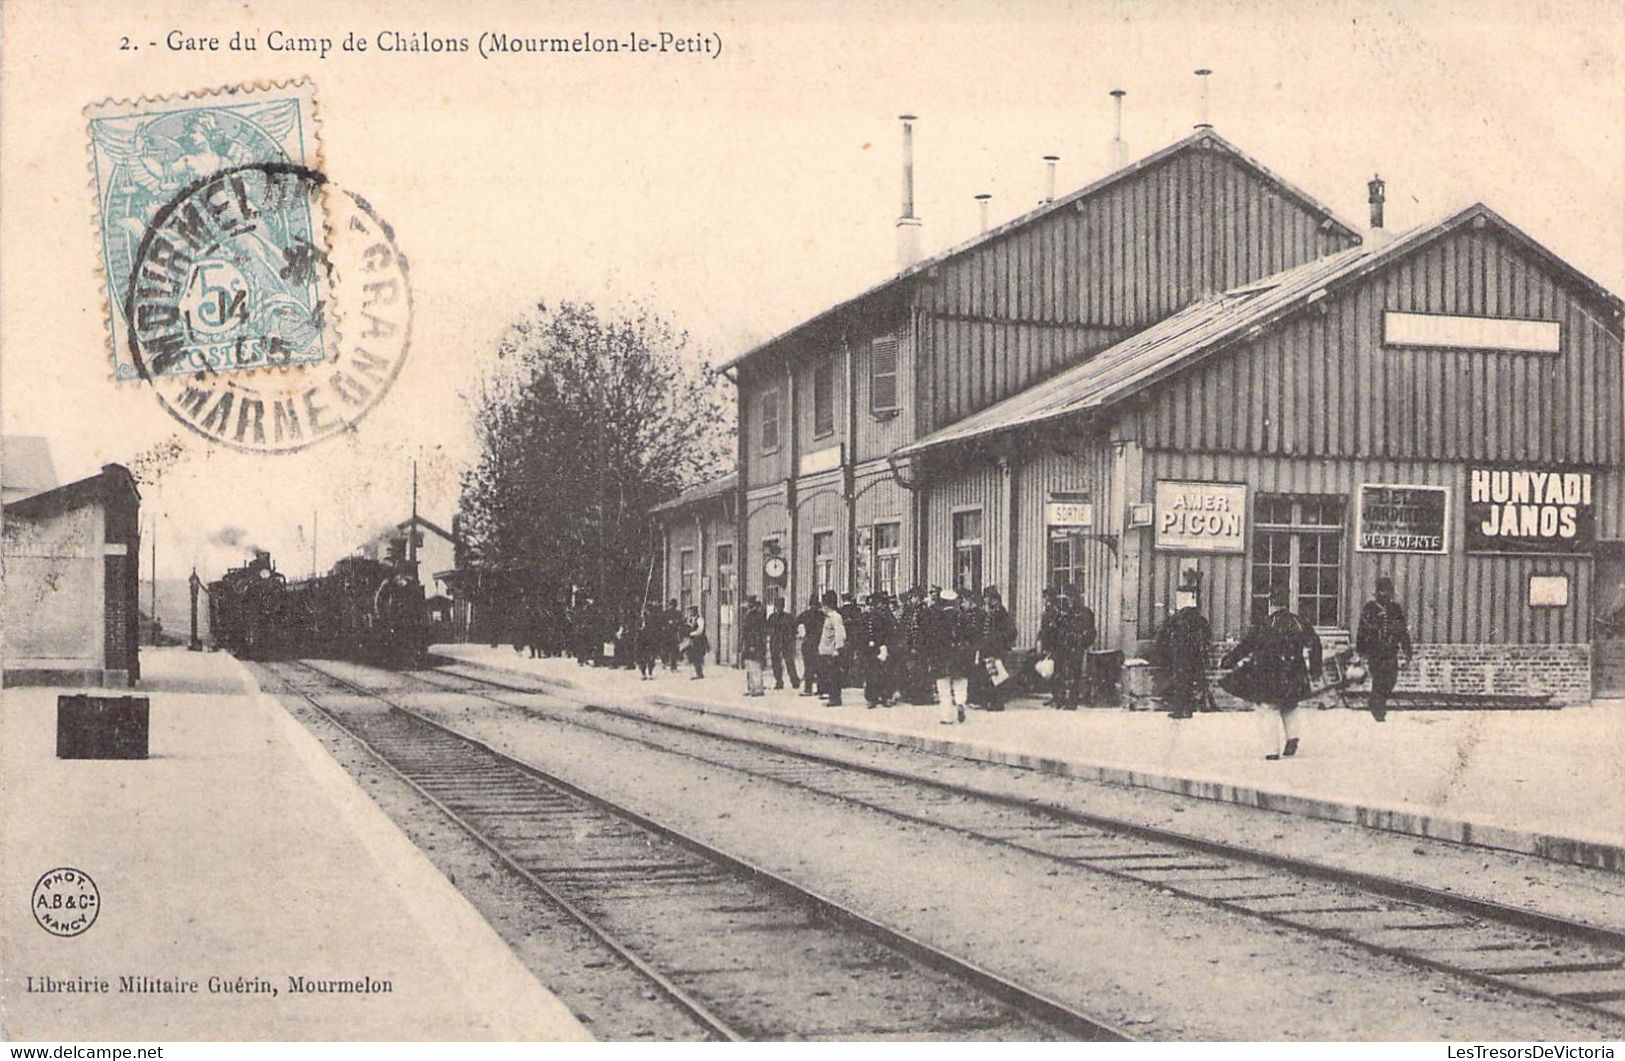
[1529,510]
[1201,517]
[1403,519]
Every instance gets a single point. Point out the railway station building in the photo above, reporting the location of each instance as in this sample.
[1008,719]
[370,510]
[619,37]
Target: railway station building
[1192,370]
[71,583]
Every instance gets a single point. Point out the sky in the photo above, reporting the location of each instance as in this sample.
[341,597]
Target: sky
[741,194]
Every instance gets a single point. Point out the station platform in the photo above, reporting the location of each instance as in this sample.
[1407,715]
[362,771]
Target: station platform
[240,851]
[1543,783]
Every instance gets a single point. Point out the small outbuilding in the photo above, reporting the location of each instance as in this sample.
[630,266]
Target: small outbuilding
[71,576]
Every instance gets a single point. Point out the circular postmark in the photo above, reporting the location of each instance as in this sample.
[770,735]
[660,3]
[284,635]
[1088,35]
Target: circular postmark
[268,308]
[65,901]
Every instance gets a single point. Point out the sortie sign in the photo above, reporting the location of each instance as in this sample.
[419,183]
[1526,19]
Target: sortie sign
[1201,517]
[1529,510]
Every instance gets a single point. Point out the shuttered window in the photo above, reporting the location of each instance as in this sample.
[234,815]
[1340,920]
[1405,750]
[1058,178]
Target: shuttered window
[883,375]
[824,400]
[770,420]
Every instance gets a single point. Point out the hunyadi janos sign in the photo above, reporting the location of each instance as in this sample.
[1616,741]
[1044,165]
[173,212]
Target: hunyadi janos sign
[1201,517]
[1529,510]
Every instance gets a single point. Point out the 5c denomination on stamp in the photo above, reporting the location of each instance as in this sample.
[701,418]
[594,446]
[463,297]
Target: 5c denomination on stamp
[231,260]
[239,291]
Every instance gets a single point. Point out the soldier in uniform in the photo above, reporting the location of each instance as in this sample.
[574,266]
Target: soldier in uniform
[1274,653]
[1183,644]
[1385,641]
[996,638]
[753,644]
[810,623]
[781,643]
[878,633]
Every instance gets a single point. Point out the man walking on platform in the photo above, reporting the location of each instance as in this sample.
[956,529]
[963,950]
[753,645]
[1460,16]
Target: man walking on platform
[950,652]
[811,625]
[1273,654]
[781,643]
[1385,641]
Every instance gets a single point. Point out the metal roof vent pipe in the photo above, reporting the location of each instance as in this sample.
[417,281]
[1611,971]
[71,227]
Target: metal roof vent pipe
[981,205]
[908,226]
[1050,162]
[1376,195]
[1119,156]
[1203,74]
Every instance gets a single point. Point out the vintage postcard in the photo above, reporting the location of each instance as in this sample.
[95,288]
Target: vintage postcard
[690,522]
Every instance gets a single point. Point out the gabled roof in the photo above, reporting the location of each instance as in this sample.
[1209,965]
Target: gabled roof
[405,523]
[1208,325]
[719,487]
[1202,138]
[113,478]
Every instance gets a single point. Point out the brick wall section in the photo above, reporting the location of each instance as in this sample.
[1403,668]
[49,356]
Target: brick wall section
[1561,671]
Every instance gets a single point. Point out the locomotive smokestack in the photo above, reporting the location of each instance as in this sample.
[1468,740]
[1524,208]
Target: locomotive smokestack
[908,226]
[1119,155]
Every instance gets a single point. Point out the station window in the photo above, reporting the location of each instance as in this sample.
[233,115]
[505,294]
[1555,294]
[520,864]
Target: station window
[823,563]
[768,410]
[685,579]
[883,375]
[968,551]
[725,577]
[1298,545]
[888,550]
[824,399]
[1066,548]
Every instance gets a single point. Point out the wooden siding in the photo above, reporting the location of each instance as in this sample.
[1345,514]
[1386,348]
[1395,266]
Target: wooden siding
[1324,384]
[763,469]
[880,499]
[974,485]
[878,436]
[1450,598]
[1088,470]
[766,517]
[1019,308]
[821,508]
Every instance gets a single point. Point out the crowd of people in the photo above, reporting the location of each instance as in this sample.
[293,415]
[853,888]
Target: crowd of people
[956,649]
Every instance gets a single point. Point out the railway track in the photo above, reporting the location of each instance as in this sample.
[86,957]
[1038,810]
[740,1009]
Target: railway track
[1568,963]
[739,953]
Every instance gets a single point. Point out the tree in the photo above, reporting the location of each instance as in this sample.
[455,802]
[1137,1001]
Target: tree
[585,423]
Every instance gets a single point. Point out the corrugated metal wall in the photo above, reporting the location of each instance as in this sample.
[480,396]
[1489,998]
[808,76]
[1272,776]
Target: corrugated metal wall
[1451,598]
[762,469]
[821,509]
[765,517]
[881,499]
[878,436]
[1325,383]
[971,486]
[1018,309]
[1088,470]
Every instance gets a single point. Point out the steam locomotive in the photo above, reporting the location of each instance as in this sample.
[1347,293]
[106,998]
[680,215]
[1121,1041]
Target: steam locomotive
[363,609]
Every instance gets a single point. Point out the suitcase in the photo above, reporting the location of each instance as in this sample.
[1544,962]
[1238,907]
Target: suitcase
[101,727]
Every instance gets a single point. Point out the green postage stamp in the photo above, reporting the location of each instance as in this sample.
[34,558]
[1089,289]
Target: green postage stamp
[185,182]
